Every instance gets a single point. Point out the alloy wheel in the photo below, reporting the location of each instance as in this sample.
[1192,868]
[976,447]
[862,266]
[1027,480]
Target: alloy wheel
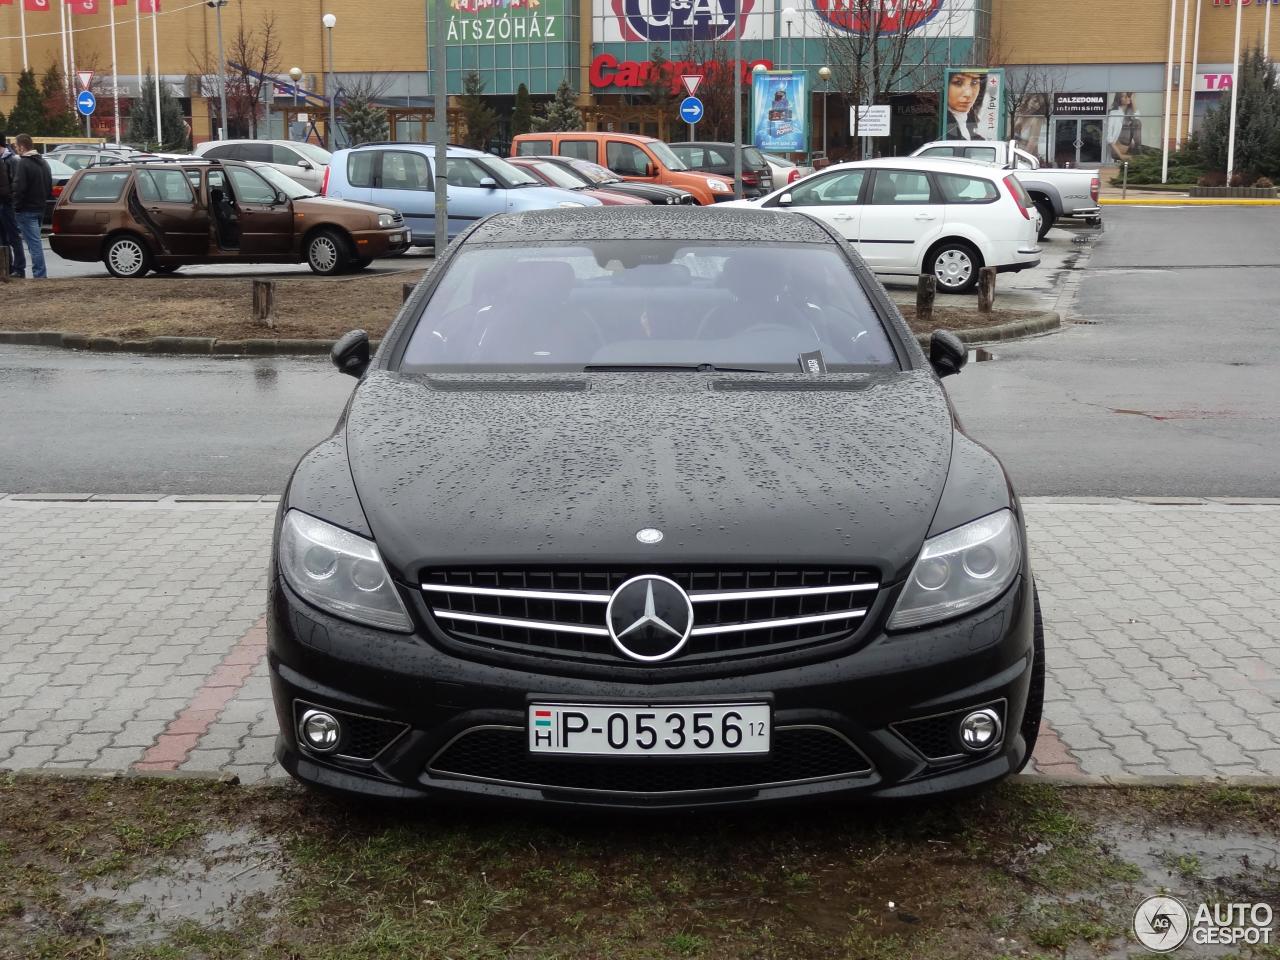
[324,254]
[127,257]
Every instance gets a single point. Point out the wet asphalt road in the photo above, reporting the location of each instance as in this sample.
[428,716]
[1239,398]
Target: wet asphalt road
[1172,388]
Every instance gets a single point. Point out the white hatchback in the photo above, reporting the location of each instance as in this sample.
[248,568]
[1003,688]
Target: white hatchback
[908,216]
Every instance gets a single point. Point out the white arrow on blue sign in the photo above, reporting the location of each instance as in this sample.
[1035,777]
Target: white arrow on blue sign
[86,103]
[690,109]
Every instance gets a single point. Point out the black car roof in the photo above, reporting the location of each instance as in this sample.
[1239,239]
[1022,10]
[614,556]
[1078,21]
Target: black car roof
[650,223]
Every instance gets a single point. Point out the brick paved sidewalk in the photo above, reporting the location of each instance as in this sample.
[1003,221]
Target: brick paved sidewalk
[131,635]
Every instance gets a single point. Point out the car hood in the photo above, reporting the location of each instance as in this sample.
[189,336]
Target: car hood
[320,205]
[537,198]
[763,468]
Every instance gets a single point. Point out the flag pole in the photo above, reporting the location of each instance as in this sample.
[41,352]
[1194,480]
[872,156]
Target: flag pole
[137,46]
[22,26]
[1195,73]
[71,49]
[1182,74]
[1235,99]
[1168,94]
[155,59]
[62,34]
[115,79]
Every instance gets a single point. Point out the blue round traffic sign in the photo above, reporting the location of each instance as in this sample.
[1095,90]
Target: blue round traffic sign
[86,103]
[690,109]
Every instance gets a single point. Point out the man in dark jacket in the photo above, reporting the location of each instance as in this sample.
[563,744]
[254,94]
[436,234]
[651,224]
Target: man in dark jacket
[31,191]
[8,221]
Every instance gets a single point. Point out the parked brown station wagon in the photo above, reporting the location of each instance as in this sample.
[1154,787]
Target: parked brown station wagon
[161,216]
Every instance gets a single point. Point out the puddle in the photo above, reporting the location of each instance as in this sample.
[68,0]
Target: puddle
[1233,865]
[207,889]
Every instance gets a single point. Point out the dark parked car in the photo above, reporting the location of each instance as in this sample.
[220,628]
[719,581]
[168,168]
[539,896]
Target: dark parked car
[61,174]
[757,175]
[598,176]
[554,175]
[651,508]
[137,217]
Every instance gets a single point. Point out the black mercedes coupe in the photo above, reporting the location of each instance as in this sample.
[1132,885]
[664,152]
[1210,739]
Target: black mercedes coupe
[652,508]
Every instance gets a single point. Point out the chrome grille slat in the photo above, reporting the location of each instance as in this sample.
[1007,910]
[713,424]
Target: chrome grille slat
[559,613]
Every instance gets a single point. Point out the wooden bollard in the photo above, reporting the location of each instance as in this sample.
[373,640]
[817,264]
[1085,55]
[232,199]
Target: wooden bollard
[406,291]
[926,290]
[986,289]
[4,263]
[264,301]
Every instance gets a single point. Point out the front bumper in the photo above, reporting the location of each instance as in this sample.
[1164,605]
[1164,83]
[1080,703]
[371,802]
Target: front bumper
[371,244]
[852,710]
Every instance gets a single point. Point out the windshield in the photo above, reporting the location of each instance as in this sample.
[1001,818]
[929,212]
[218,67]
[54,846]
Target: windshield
[312,152]
[289,187]
[59,169]
[558,175]
[663,153]
[647,304]
[594,172]
[508,174]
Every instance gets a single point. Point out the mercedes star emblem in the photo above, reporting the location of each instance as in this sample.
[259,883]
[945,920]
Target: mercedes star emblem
[649,535]
[649,618]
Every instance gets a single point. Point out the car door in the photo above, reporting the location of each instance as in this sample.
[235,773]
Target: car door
[171,212]
[402,181]
[902,216]
[835,197]
[579,149]
[469,198]
[628,161]
[266,225]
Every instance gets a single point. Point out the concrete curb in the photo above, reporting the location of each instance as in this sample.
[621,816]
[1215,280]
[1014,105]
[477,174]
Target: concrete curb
[1189,202]
[1041,323]
[171,345]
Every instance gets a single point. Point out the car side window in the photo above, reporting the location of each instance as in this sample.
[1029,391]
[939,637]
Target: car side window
[255,152]
[360,168]
[987,154]
[580,150]
[718,158]
[533,148]
[957,188]
[465,173]
[163,186]
[836,189]
[938,152]
[626,159]
[901,186]
[249,187]
[225,152]
[104,187]
[284,155]
[405,170]
[76,161]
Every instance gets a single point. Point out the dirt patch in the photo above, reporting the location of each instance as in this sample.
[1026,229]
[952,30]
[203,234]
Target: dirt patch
[178,306]
[953,318]
[147,868]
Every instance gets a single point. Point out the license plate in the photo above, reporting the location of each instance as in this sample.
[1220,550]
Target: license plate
[597,730]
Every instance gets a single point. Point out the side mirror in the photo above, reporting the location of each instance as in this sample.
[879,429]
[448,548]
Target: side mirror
[488,182]
[650,170]
[280,197]
[947,353]
[305,165]
[784,200]
[351,353]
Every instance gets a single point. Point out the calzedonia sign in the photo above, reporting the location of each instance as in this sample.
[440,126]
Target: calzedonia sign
[608,71]
[1079,104]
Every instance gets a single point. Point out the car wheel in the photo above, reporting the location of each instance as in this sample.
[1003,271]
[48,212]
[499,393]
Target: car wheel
[327,252]
[1035,694]
[1044,218]
[955,265]
[127,257]
[168,268]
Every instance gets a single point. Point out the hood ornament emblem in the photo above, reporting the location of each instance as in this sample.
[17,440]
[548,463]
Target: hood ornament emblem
[649,535]
[649,618]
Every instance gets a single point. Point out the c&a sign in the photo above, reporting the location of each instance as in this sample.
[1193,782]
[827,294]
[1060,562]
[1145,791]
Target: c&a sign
[676,21]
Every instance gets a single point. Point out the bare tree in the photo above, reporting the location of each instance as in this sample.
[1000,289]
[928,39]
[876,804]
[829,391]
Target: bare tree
[1028,104]
[874,50]
[716,88]
[253,56]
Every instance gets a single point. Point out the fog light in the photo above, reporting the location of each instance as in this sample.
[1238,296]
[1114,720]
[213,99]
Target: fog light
[979,730]
[320,731]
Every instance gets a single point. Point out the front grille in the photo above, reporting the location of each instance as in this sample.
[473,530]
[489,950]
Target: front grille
[501,754]
[738,613]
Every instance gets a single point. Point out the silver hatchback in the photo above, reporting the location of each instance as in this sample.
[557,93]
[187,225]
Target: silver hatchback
[303,162]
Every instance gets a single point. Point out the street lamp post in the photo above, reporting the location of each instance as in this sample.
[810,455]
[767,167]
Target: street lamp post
[789,15]
[222,70]
[330,21]
[295,74]
[824,74]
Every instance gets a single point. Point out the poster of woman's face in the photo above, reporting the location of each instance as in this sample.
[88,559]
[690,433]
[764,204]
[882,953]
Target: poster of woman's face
[973,104]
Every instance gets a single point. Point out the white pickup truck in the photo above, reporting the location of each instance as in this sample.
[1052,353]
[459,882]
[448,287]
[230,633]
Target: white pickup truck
[1058,193]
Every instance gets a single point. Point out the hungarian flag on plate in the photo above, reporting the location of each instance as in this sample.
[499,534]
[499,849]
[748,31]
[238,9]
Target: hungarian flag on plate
[83,6]
[35,5]
[148,6]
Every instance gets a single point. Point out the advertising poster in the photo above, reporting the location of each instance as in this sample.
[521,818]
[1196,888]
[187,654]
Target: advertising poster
[780,111]
[973,104]
[1135,125]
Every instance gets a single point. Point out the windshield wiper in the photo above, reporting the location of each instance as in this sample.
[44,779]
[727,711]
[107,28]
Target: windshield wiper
[663,367]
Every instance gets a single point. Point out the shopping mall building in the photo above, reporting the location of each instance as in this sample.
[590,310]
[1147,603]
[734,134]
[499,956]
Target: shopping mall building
[1092,73]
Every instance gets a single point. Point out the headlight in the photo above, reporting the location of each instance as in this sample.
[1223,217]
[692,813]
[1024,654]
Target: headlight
[570,203]
[960,570]
[673,199]
[386,220]
[719,186]
[339,572]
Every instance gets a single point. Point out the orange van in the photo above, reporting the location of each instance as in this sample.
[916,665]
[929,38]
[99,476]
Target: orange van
[630,156]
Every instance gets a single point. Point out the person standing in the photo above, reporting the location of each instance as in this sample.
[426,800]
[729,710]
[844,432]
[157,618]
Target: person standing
[9,236]
[31,191]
